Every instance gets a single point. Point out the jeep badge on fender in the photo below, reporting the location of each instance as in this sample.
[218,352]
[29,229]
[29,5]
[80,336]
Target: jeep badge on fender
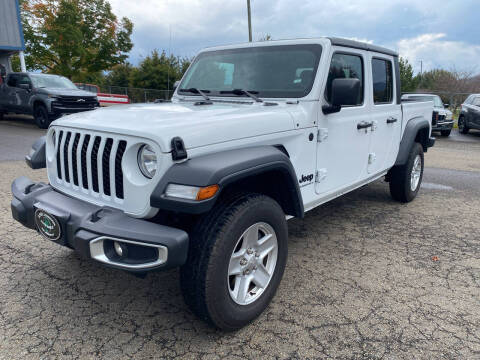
[207,181]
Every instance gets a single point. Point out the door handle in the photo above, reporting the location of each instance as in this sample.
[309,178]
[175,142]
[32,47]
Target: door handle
[391,120]
[364,125]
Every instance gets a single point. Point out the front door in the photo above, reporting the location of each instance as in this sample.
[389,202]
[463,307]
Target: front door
[474,112]
[344,137]
[386,115]
[22,94]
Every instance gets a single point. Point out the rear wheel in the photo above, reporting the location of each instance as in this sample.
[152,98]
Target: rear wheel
[462,125]
[405,180]
[41,116]
[446,132]
[236,261]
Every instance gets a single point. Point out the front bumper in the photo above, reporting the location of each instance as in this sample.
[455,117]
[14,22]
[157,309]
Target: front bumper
[445,125]
[92,230]
[59,110]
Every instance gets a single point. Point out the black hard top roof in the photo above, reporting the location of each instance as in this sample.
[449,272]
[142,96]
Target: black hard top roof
[361,45]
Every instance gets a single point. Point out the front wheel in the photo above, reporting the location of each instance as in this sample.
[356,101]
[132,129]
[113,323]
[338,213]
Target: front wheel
[41,116]
[446,133]
[236,261]
[405,180]
[462,125]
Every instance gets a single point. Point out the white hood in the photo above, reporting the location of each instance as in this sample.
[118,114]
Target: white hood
[197,125]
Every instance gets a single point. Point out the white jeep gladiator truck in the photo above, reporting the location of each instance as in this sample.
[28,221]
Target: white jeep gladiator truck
[254,135]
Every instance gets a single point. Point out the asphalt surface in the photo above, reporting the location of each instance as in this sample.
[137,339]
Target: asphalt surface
[367,278]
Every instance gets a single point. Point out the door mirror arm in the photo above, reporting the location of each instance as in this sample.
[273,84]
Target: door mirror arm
[330,109]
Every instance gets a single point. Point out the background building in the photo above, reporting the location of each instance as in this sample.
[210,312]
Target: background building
[11,33]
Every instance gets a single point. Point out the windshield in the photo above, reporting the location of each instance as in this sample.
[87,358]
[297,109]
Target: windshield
[51,81]
[436,99]
[270,71]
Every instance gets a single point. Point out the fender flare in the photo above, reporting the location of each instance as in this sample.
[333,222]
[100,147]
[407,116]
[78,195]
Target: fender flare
[412,128]
[36,158]
[225,168]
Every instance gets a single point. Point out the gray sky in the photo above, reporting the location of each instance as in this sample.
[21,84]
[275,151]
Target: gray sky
[442,33]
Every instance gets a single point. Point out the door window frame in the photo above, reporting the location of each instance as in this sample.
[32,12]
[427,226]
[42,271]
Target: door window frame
[393,81]
[351,53]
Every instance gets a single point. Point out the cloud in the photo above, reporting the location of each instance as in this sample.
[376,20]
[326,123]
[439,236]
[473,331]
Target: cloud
[195,24]
[435,51]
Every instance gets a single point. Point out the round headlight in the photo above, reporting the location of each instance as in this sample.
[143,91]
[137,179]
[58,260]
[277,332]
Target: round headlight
[147,161]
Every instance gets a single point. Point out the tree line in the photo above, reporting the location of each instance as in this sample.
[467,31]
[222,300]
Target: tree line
[452,85]
[84,41]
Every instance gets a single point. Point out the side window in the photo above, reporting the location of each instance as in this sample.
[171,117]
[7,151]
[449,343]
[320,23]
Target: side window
[23,79]
[345,66]
[476,101]
[382,81]
[12,80]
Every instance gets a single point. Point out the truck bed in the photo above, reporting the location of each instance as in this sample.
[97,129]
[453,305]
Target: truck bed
[413,109]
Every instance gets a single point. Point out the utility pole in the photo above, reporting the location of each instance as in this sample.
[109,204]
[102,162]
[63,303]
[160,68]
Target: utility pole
[249,22]
[421,73]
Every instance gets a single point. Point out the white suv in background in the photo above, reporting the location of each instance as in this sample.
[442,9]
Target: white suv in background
[442,119]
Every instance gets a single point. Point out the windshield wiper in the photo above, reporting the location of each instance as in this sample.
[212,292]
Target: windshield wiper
[243,92]
[197,91]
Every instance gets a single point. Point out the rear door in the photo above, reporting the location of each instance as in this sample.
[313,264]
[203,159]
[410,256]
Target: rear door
[342,148]
[10,92]
[386,114]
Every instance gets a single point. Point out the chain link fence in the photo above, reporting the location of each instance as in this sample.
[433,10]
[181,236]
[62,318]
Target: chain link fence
[138,95]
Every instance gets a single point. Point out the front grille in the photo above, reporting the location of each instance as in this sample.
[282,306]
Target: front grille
[434,118]
[78,152]
[75,102]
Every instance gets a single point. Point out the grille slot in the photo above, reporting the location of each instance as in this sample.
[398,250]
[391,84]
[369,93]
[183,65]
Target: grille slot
[118,169]
[59,165]
[74,159]
[83,159]
[106,166]
[91,161]
[94,160]
[65,156]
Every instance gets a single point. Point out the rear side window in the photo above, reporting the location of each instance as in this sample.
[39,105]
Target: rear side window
[382,81]
[476,101]
[345,66]
[12,80]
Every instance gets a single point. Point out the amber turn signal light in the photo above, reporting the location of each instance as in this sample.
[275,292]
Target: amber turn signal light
[207,192]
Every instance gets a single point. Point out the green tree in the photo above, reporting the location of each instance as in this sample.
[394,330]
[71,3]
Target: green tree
[408,81]
[119,75]
[158,71]
[75,38]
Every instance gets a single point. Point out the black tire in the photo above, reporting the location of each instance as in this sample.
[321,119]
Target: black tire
[400,177]
[204,278]
[462,125]
[446,132]
[42,119]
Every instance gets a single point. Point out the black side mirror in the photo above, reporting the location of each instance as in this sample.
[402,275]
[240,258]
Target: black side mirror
[175,85]
[25,86]
[345,92]
[446,105]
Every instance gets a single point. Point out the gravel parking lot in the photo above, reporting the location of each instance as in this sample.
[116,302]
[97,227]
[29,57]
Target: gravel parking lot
[366,278]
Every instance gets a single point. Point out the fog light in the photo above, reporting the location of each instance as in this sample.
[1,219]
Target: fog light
[120,249]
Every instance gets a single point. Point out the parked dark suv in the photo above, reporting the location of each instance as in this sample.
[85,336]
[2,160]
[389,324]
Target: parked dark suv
[46,97]
[470,115]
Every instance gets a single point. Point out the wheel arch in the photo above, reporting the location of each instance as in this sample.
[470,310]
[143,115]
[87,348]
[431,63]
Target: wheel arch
[263,169]
[416,130]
